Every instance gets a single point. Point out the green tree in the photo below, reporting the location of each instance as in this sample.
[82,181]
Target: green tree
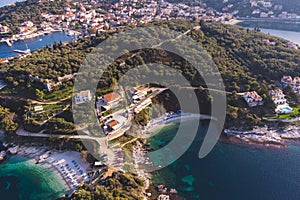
[39,94]
[9,125]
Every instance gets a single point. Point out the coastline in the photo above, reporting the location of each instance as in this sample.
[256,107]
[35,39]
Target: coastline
[45,178]
[67,166]
[263,136]
[31,158]
[161,122]
[36,34]
[139,158]
[234,21]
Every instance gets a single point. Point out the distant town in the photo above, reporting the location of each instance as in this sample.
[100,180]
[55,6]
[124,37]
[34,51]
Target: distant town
[82,18]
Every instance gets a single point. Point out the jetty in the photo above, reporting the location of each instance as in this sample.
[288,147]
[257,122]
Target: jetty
[22,51]
[7,41]
[27,51]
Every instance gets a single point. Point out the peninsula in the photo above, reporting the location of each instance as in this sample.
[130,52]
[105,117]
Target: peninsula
[260,74]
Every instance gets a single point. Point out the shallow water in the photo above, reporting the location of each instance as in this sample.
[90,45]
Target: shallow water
[22,179]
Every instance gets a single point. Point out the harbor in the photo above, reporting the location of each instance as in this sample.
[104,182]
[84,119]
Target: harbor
[31,43]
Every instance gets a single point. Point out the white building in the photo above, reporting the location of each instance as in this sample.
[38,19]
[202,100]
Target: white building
[38,108]
[108,101]
[82,97]
[142,105]
[278,97]
[253,99]
[289,81]
[138,93]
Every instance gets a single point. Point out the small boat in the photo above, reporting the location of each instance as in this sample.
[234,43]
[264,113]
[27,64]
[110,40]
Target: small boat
[40,39]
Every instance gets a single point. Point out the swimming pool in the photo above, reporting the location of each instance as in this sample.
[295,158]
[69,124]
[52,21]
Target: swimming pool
[284,109]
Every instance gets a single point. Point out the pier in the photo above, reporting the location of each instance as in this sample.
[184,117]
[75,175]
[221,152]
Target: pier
[22,51]
[8,42]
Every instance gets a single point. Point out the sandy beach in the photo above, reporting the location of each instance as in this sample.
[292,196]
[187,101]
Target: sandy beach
[158,123]
[70,167]
[67,164]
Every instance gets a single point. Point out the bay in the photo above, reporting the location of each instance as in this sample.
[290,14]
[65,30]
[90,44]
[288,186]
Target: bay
[231,171]
[33,43]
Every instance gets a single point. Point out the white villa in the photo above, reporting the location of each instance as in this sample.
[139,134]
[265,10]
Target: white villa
[294,83]
[142,105]
[108,101]
[82,97]
[278,97]
[138,93]
[253,99]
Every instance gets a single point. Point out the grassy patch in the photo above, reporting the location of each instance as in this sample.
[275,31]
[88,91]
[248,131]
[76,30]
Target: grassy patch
[59,94]
[286,116]
[47,112]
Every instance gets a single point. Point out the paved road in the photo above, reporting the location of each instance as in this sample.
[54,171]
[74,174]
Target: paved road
[102,141]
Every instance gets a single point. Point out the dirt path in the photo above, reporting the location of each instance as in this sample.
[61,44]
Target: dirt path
[34,101]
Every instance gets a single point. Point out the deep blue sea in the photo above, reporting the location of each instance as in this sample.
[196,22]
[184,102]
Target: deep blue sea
[231,171]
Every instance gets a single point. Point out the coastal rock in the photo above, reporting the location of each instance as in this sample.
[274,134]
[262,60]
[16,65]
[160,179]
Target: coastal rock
[13,150]
[2,155]
[163,197]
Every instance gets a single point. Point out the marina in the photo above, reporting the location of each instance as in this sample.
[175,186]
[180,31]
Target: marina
[24,46]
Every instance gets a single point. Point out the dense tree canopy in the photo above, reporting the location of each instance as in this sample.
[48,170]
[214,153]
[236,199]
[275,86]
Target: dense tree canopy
[245,61]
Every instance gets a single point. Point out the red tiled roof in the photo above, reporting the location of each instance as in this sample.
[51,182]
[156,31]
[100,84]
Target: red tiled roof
[111,96]
[113,123]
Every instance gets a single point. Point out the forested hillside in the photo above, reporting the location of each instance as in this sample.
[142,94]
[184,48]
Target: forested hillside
[245,60]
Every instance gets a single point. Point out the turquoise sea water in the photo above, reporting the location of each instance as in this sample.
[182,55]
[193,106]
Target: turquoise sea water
[22,179]
[231,171]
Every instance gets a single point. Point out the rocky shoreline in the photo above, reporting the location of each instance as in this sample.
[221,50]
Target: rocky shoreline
[265,136]
[139,158]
